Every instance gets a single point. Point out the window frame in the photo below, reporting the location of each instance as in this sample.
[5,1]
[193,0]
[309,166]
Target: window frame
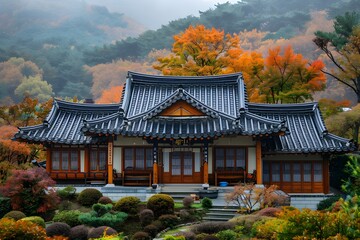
[134,160]
[98,151]
[225,160]
[68,152]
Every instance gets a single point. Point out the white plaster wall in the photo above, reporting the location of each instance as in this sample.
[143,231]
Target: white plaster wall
[130,141]
[237,140]
[117,157]
[251,159]
[293,157]
[82,160]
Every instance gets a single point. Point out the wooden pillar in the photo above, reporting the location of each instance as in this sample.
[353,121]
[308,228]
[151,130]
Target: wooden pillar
[48,160]
[110,162]
[87,159]
[155,164]
[259,170]
[326,176]
[206,166]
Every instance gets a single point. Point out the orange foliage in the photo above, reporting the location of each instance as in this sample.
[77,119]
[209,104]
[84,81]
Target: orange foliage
[200,51]
[288,77]
[113,74]
[112,95]
[11,150]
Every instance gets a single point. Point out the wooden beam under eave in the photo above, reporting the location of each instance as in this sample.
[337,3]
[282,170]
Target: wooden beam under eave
[259,164]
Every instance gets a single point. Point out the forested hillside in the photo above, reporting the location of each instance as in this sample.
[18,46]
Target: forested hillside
[70,48]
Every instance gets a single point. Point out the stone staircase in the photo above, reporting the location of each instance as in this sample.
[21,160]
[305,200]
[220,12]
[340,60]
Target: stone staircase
[220,213]
[178,191]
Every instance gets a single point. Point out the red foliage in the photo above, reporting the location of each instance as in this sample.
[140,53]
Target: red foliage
[31,191]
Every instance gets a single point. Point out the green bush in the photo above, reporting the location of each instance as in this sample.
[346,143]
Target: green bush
[70,217]
[101,231]
[169,220]
[5,206]
[161,204]
[141,236]
[128,205]
[79,232]
[206,203]
[35,219]
[67,193]
[328,202]
[16,215]
[101,215]
[11,229]
[89,196]
[58,229]
[152,230]
[146,216]
[227,235]
[105,200]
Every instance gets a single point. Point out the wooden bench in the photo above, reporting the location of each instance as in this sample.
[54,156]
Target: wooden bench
[69,176]
[96,177]
[136,177]
[233,177]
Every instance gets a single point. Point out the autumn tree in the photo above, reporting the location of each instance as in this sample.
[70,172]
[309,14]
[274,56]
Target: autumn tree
[287,77]
[113,74]
[34,87]
[112,95]
[342,47]
[345,124]
[199,51]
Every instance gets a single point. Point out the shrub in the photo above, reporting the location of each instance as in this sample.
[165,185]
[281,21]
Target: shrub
[11,229]
[247,221]
[58,229]
[169,220]
[328,202]
[269,212]
[146,217]
[101,216]
[212,227]
[105,200]
[152,230]
[211,237]
[5,206]
[70,217]
[267,229]
[171,237]
[227,235]
[35,219]
[16,215]
[188,201]
[127,204]
[31,191]
[89,196]
[188,235]
[67,193]
[79,232]
[141,236]
[101,231]
[161,204]
[159,225]
[206,203]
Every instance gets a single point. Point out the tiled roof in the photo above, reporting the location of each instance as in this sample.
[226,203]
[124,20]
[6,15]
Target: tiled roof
[306,130]
[64,122]
[225,93]
[287,128]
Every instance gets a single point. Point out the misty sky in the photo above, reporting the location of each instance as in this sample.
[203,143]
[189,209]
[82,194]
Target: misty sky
[154,13]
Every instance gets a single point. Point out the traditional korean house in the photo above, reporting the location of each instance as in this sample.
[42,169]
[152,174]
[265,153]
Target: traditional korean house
[183,130]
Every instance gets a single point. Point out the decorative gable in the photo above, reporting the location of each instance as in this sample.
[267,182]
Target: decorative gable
[181,109]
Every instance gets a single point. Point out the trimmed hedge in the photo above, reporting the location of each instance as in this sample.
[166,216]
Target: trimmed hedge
[16,215]
[89,196]
[58,229]
[35,219]
[128,205]
[161,204]
[70,217]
